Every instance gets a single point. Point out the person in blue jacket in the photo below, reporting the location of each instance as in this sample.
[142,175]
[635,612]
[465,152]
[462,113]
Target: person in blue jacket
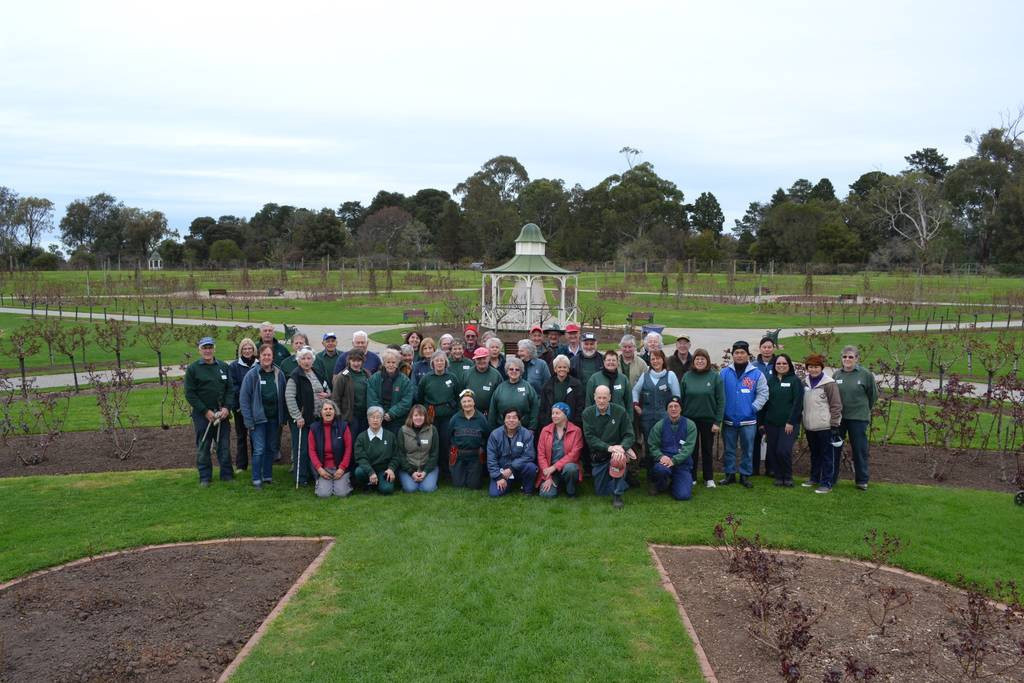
[511,456]
[746,392]
[261,400]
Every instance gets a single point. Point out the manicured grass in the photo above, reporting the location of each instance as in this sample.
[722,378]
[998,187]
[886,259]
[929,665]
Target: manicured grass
[144,406]
[872,353]
[455,586]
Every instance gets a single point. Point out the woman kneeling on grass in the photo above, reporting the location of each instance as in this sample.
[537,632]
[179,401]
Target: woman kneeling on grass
[330,452]
[417,451]
[823,410]
[558,454]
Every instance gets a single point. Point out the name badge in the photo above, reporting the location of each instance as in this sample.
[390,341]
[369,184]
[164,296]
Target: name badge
[447,382]
[662,387]
[345,371]
[519,444]
[613,420]
[487,387]
[682,442]
[325,385]
[784,384]
[223,376]
[618,386]
[568,391]
[708,384]
[425,442]
[522,390]
[839,381]
[744,391]
[263,381]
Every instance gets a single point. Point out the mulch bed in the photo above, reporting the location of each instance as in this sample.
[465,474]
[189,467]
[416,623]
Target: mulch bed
[157,449]
[165,614]
[718,605]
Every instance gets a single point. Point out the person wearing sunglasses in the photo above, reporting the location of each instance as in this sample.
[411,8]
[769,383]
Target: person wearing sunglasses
[859,392]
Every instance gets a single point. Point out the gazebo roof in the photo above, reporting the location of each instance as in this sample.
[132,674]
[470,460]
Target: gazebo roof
[532,264]
[529,259]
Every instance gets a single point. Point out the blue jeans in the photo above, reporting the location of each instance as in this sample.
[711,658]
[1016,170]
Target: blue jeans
[856,431]
[823,462]
[604,483]
[428,485]
[266,444]
[567,479]
[526,475]
[678,477]
[745,434]
[222,435]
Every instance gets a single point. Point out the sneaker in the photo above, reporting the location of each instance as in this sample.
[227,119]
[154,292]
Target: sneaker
[710,483]
[823,489]
[204,483]
[862,487]
[268,481]
[809,484]
[617,502]
[729,479]
[745,480]
[788,483]
[257,485]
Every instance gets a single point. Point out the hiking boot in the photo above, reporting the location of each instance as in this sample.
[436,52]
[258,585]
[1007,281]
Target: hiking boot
[617,502]
[745,480]
[729,479]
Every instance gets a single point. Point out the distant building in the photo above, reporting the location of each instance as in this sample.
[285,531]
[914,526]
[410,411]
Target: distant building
[155,261]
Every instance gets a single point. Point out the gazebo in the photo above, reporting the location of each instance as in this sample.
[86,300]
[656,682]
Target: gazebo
[525,302]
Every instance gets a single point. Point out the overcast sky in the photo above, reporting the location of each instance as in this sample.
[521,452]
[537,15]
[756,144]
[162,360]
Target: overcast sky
[214,107]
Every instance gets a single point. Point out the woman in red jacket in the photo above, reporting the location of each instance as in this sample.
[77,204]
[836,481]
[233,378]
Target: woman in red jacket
[330,452]
[558,454]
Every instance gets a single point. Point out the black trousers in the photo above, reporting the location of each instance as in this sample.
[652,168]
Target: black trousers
[243,445]
[705,444]
[779,458]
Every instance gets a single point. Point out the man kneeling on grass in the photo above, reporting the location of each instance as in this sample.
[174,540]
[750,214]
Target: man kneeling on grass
[376,455]
[608,430]
[670,445]
[511,456]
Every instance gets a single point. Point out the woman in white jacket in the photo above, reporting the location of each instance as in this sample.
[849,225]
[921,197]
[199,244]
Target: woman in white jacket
[823,411]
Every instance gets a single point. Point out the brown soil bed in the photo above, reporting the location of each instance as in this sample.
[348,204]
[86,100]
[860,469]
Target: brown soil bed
[166,614]
[157,449]
[718,607]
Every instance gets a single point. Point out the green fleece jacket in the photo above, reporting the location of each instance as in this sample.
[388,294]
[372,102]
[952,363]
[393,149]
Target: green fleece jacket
[208,386]
[614,428]
[622,390]
[785,400]
[324,364]
[401,395]
[378,454]
[417,450]
[703,396]
[519,395]
[858,390]
[440,391]
[483,385]
[685,448]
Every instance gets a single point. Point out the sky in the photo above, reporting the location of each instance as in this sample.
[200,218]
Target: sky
[218,107]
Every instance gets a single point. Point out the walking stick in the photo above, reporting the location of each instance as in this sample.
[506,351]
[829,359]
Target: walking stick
[298,464]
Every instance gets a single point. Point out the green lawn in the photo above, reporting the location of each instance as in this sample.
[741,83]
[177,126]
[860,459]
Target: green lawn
[456,586]
[872,352]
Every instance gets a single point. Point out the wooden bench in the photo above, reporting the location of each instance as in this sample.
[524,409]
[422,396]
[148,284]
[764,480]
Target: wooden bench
[848,297]
[218,292]
[275,291]
[640,317]
[415,314]
[512,348]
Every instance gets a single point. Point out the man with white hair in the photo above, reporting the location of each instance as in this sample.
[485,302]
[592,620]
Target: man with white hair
[652,342]
[630,363]
[360,340]
[267,337]
[608,430]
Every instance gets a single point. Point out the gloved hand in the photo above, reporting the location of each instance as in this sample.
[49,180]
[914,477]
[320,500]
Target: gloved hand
[837,439]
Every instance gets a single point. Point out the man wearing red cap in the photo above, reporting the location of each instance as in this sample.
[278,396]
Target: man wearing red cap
[469,336]
[572,345]
[482,379]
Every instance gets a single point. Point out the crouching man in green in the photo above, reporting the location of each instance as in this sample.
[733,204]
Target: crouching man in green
[608,430]
[376,455]
[670,445]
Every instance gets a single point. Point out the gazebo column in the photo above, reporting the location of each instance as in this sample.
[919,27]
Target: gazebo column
[561,308]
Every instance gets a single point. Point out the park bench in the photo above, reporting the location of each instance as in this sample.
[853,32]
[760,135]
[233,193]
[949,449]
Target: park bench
[275,291]
[415,314]
[512,348]
[848,297]
[640,317]
[218,292]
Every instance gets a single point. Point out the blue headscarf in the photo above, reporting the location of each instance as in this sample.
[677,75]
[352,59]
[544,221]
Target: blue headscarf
[564,407]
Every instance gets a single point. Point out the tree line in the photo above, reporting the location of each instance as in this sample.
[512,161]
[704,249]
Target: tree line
[932,212]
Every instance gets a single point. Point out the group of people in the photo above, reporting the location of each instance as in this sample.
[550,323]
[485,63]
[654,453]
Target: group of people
[461,410]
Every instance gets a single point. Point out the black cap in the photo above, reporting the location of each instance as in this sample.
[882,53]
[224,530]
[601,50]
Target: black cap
[741,345]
